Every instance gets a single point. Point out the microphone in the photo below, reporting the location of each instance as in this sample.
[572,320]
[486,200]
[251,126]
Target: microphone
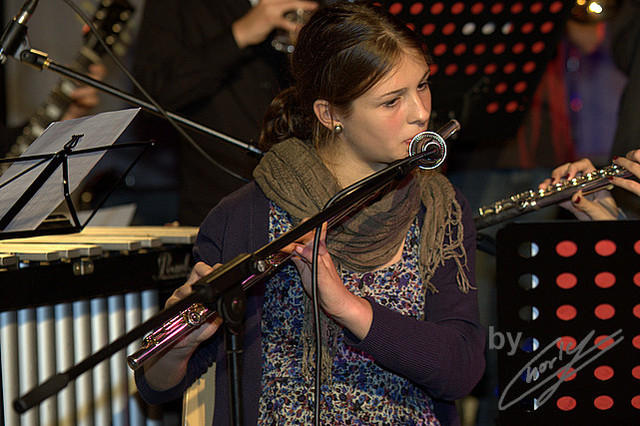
[432,143]
[15,33]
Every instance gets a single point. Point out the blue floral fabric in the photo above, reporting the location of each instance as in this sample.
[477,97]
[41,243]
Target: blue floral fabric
[361,392]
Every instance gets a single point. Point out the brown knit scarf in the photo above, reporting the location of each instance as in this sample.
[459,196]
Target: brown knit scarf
[294,177]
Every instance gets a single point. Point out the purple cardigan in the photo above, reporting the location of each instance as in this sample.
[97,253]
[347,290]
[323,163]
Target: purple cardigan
[444,354]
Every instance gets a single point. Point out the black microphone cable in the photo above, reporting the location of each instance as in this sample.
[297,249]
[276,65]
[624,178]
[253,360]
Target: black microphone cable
[161,110]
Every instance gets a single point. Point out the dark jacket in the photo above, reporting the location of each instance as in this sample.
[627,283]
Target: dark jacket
[444,354]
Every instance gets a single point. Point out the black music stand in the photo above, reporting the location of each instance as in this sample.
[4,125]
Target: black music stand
[579,281]
[488,58]
[53,167]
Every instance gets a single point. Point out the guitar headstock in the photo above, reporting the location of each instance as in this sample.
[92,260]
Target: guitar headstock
[110,19]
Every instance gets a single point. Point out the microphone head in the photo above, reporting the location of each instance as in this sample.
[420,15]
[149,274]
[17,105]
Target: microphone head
[433,145]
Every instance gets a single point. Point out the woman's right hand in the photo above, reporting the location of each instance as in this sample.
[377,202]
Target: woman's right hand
[630,162]
[169,367]
[207,329]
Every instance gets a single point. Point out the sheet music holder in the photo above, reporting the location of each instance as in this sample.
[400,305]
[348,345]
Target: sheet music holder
[53,166]
[489,57]
[571,290]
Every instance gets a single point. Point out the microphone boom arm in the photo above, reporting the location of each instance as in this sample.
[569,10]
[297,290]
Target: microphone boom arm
[41,60]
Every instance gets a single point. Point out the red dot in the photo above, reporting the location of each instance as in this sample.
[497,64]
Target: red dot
[437,8]
[416,8]
[411,26]
[636,372]
[516,8]
[566,312]
[451,69]
[471,69]
[636,311]
[604,311]
[459,49]
[457,8]
[537,47]
[547,27]
[636,279]
[603,342]
[566,280]
[567,375]
[529,67]
[511,106]
[566,343]
[566,403]
[604,372]
[636,247]
[536,7]
[520,87]
[527,28]
[440,49]
[499,48]
[501,87]
[497,8]
[433,68]
[509,68]
[492,107]
[395,8]
[605,247]
[518,48]
[566,248]
[428,29]
[603,402]
[556,7]
[605,279]
[479,49]
[449,28]
[477,8]
[635,401]
[490,68]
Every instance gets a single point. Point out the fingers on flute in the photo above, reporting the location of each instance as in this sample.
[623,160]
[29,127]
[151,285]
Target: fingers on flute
[629,185]
[593,209]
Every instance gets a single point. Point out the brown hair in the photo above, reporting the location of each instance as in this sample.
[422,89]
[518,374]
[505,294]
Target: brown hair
[343,51]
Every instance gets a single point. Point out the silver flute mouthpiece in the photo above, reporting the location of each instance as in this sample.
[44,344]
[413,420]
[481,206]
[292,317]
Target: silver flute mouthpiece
[433,144]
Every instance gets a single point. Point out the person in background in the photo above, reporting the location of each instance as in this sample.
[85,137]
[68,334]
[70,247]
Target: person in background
[212,62]
[399,316]
[84,99]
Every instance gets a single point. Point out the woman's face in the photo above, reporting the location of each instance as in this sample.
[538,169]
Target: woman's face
[384,119]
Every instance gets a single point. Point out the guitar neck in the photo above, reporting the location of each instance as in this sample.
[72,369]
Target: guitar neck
[110,19]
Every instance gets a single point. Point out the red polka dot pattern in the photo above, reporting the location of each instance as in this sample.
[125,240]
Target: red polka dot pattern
[605,311]
[566,312]
[603,372]
[605,247]
[603,402]
[566,280]
[566,403]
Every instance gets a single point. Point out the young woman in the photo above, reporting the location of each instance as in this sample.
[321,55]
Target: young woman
[400,331]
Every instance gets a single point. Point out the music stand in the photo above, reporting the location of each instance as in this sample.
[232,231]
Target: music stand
[53,166]
[578,281]
[488,57]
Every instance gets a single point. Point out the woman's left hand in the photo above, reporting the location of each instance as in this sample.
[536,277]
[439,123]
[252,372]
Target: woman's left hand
[347,309]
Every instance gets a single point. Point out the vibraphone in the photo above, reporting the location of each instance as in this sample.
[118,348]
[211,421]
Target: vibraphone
[63,297]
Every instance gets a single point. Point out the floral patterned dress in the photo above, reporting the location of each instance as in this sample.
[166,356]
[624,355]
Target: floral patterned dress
[361,392]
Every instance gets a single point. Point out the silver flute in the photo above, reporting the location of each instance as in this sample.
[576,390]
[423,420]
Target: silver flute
[194,316]
[430,143]
[532,200]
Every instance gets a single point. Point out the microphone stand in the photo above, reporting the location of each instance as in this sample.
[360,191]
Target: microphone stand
[224,288]
[41,60]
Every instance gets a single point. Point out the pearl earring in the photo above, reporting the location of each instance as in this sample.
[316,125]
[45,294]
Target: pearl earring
[337,129]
